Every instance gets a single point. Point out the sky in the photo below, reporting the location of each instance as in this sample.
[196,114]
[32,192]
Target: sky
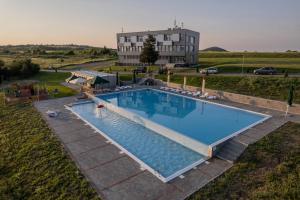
[236,25]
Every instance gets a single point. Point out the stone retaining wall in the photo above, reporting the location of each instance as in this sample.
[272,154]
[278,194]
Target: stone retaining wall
[239,98]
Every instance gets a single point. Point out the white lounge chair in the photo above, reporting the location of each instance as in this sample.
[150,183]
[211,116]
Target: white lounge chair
[211,97]
[189,93]
[52,113]
[183,92]
[196,94]
[204,95]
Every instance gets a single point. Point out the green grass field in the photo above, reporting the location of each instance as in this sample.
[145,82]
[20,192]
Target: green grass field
[46,62]
[52,80]
[233,61]
[266,87]
[33,163]
[225,61]
[268,169]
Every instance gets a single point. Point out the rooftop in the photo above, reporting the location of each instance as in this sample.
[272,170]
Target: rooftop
[92,73]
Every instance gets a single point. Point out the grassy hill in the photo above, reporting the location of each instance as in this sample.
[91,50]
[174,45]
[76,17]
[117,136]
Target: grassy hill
[215,49]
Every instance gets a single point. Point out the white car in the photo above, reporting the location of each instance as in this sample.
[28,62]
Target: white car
[210,70]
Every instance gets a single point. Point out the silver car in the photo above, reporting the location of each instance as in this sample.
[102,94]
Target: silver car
[210,70]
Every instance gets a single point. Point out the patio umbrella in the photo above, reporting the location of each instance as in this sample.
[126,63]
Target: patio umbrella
[290,99]
[117,78]
[291,96]
[134,76]
[184,82]
[203,85]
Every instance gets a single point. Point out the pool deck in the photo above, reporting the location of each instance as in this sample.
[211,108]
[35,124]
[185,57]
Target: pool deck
[116,176]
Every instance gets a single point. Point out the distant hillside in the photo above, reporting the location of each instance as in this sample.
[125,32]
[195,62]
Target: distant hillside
[215,49]
[47,47]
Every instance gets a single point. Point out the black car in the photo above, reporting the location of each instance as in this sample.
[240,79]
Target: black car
[265,71]
[141,69]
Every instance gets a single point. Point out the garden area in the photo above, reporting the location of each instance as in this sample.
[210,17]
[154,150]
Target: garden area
[268,169]
[51,81]
[33,163]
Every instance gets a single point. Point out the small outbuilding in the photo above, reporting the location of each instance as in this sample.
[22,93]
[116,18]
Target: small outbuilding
[93,79]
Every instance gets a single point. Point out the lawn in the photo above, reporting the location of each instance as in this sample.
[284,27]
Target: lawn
[128,77]
[233,61]
[33,163]
[46,62]
[117,68]
[52,80]
[266,87]
[268,169]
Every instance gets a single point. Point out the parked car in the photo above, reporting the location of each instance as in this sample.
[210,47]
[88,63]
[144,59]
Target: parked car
[141,69]
[210,70]
[265,71]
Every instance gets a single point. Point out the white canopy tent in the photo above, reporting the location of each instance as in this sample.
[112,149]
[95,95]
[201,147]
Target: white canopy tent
[78,81]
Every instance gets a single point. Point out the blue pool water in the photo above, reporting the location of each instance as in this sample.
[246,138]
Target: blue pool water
[202,121]
[160,153]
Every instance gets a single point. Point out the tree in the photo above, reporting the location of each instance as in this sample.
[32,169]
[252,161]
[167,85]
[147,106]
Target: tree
[70,53]
[23,68]
[1,70]
[105,51]
[1,63]
[148,54]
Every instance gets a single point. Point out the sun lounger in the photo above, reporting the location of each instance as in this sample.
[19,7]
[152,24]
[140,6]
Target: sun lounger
[183,92]
[189,93]
[211,97]
[196,94]
[204,95]
[52,113]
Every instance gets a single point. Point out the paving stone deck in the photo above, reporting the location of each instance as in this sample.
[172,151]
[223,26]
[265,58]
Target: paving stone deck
[116,176]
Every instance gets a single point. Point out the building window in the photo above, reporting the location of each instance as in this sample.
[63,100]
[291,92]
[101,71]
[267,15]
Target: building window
[181,37]
[139,39]
[192,49]
[182,48]
[192,39]
[167,37]
[127,39]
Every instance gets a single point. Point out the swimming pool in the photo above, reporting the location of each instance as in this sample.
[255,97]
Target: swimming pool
[167,133]
[161,156]
[193,120]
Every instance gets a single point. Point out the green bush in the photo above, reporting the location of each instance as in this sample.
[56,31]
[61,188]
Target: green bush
[23,68]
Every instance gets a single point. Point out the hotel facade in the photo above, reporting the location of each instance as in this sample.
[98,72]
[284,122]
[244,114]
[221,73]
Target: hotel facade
[176,45]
